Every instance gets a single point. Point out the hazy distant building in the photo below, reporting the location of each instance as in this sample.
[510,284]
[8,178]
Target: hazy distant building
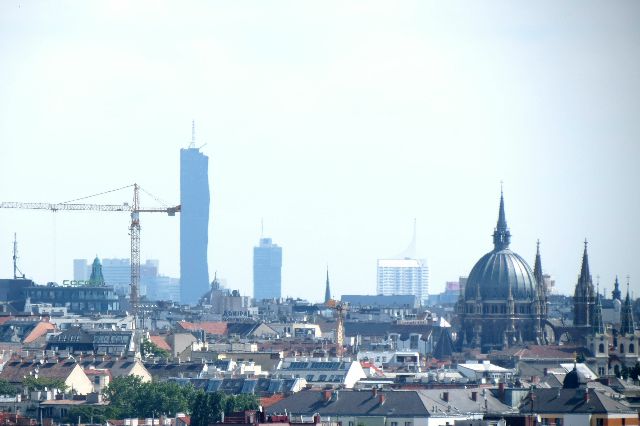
[117,273]
[194,224]
[404,277]
[164,288]
[267,270]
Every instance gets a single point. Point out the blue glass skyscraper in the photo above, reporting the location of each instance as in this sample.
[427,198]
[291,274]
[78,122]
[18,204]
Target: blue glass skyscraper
[194,224]
[267,270]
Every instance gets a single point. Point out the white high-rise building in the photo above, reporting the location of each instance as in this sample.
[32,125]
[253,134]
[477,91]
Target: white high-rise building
[404,276]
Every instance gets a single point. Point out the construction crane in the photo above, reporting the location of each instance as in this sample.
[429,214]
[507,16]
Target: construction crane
[340,308]
[134,227]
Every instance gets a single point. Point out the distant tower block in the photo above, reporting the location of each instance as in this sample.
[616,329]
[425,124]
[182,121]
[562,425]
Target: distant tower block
[267,270]
[194,222]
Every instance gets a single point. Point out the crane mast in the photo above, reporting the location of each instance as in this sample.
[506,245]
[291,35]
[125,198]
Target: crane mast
[134,228]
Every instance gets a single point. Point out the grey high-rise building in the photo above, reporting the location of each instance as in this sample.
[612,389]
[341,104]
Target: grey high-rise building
[194,224]
[267,270]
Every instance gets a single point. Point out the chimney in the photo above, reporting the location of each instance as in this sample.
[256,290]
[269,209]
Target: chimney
[327,395]
[474,395]
[316,419]
[546,372]
[586,395]
[381,399]
[445,396]
[501,390]
[374,392]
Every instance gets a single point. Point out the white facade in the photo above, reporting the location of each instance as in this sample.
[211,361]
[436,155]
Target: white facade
[403,276]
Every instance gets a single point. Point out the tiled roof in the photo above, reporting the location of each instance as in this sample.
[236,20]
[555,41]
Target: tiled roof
[39,330]
[160,342]
[16,371]
[210,327]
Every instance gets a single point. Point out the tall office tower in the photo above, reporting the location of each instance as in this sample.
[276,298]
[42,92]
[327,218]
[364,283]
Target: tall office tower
[267,268]
[80,270]
[194,223]
[405,274]
[403,277]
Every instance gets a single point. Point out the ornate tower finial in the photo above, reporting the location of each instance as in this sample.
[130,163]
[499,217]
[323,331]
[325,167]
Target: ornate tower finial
[501,235]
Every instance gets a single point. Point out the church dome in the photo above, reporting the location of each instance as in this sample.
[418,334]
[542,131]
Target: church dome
[498,270]
[501,272]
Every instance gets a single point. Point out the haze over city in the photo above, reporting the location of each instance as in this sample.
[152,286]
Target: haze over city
[335,123]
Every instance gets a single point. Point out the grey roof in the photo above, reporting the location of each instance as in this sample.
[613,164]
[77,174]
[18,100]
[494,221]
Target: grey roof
[262,386]
[381,329]
[355,403]
[572,401]
[166,371]
[401,403]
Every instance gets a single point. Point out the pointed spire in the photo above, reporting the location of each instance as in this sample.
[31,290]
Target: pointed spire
[584,271]
[597,325]
[616,293]
[501,234]
[626,316]
[502,219]
[537,267]
[327,290]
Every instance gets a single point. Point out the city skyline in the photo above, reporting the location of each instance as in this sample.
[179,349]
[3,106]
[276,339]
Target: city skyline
[339,138]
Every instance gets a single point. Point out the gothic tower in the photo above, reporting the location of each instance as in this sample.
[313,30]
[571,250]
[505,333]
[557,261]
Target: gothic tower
[584,297]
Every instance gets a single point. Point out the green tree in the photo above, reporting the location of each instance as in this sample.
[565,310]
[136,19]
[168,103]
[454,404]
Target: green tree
[241,402]
[150,349]
[88,413]
[130,397]
[208,408]
[33,383]
[7,388]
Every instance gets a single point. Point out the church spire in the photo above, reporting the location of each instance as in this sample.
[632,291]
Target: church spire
[626,316]
[585,276]
[537,267]
[327,290]
[597,325]
[501,235]
[584,298]
[616,293]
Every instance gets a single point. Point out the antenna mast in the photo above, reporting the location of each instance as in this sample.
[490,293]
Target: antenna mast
[193,134]
[15,259]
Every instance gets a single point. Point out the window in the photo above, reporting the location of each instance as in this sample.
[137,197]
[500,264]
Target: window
[408,423]
[621,348]
[632,348]
[394,423]
[309,377]
[601,348]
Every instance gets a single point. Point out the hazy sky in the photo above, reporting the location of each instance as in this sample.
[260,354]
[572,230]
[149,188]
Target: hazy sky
[337,122]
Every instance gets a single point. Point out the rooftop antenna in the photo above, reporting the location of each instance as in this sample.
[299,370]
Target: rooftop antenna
[15,259]
[193,134]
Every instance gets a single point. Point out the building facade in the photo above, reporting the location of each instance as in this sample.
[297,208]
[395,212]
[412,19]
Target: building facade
[194,224]
[404,277]
[267,270]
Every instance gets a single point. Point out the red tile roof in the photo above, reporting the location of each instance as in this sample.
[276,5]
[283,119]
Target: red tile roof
[160,342]
[210,327]
[38,331]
